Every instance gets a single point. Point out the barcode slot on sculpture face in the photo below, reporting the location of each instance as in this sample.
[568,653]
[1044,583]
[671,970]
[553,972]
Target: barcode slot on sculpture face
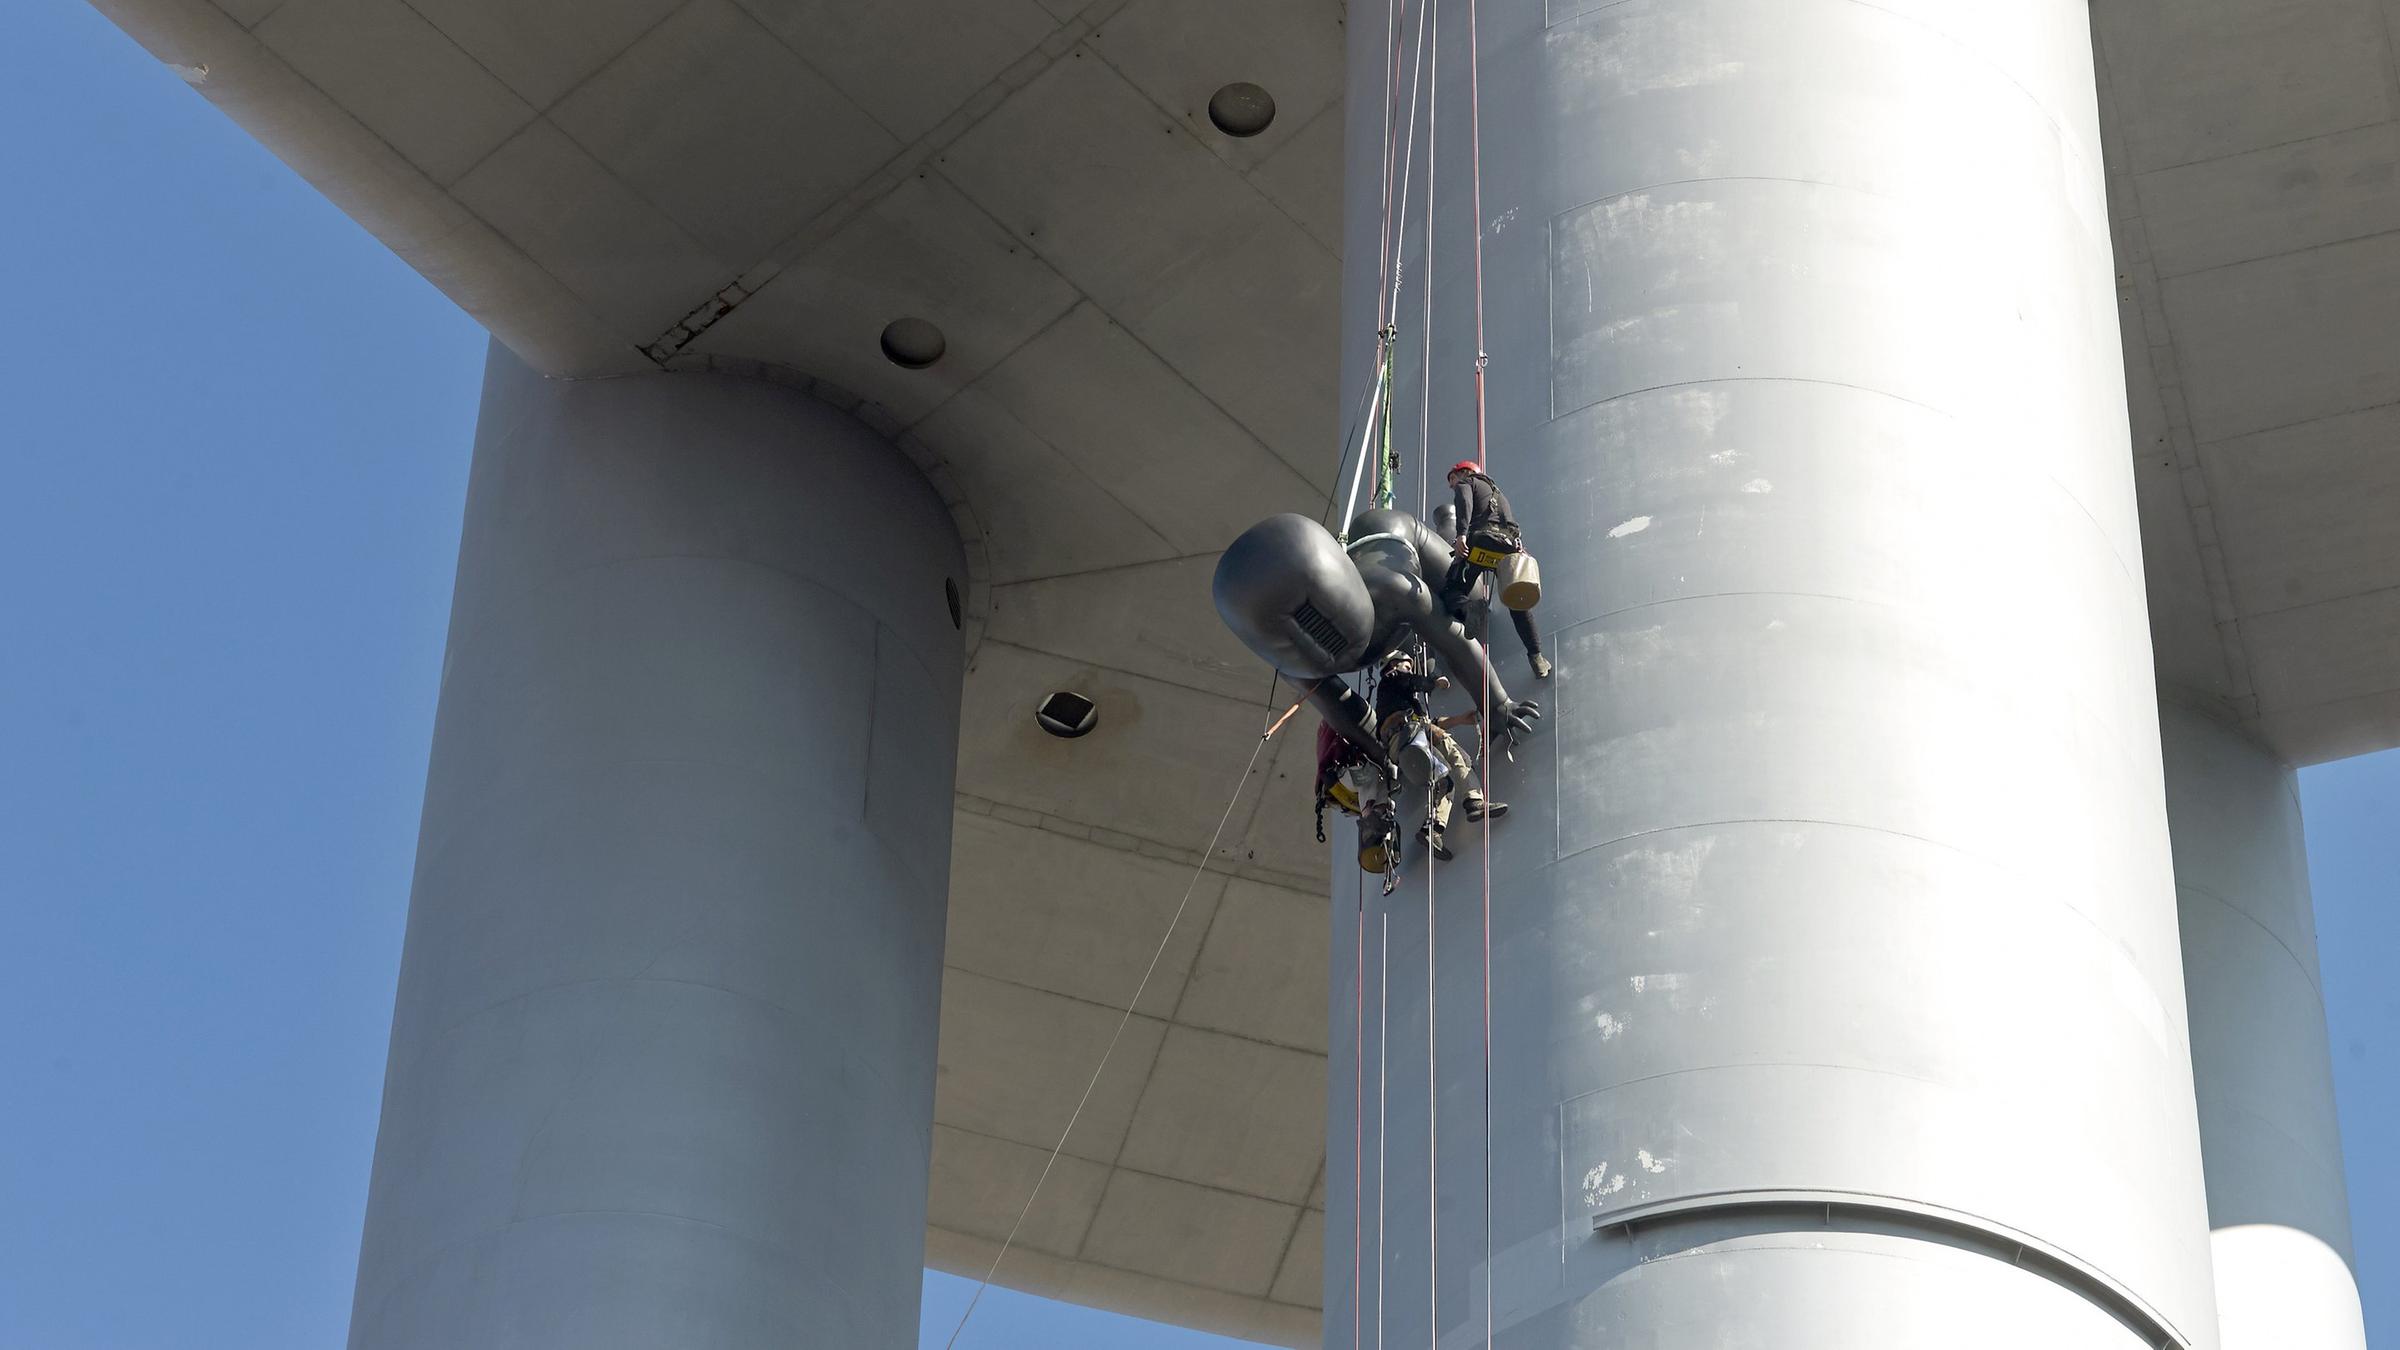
[1319,630]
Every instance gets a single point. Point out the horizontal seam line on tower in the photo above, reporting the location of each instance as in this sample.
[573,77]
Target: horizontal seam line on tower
[2086,1277]
[2260,925]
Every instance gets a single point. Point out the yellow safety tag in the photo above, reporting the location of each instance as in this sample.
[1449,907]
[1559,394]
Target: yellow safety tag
[1484,557]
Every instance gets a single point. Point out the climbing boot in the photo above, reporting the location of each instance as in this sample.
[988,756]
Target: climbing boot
[1541,666]
[1479,809]
[1432,836]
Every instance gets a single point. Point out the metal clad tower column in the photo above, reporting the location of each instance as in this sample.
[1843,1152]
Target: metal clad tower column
[663,1058]
[1838,997]
[2276,1199]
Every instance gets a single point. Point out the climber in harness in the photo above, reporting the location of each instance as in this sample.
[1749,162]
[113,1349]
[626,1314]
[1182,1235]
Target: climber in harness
[1484,532]
[1342,769]
[1360,786]
[1405,722]
[1472,607]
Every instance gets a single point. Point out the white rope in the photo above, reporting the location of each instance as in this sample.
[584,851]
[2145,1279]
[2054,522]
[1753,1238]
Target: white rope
[1433,92]
[1409,162]
[1388,247]
[1429,53]
[1433,1218]
[1206,856]
[1383,1104]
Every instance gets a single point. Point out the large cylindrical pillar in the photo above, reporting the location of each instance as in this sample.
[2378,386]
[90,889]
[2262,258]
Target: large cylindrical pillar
[2268,1134]
[663,1058]
[1837,997]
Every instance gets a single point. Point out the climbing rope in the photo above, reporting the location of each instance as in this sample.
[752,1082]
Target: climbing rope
[1383,1102]
[1358,1124]
[1390,308]
[1432,51]
[1433,1218]
[1389,265]
[1207,855]
[1483,724]
[1376,436]
[1433,92]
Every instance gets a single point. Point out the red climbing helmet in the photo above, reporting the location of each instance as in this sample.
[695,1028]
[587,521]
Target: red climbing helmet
[1464,466]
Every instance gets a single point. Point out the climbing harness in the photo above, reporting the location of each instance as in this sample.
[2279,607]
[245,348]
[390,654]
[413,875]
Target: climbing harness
[1207,855]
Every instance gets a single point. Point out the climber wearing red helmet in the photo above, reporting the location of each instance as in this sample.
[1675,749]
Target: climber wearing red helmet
[1485,530]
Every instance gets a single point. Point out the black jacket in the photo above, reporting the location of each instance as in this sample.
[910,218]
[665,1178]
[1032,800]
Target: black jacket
[1481,505]
[1396,693]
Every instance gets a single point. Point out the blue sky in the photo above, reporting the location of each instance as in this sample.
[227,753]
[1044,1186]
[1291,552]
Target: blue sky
[234,452]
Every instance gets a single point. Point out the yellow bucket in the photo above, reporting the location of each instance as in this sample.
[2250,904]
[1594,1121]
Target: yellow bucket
[1519,579]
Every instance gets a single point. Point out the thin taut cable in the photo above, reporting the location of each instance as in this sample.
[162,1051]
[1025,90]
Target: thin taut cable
[1126,1017]
[1394,16]
[1433,1219]
[1433,93]
[1491,793]
[1383,1103]
[1434,1216]
[1358,1128]
[1408,167]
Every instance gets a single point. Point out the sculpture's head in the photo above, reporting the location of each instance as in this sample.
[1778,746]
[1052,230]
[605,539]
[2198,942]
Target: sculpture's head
[1290,593]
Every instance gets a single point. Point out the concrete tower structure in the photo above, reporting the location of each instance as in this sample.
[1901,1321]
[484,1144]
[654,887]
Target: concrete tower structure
[1847,980]
[1917,408]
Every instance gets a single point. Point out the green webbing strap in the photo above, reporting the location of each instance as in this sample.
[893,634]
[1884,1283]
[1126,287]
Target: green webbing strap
[1391,462]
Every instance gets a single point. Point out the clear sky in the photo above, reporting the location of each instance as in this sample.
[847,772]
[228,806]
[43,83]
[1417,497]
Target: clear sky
[233,449]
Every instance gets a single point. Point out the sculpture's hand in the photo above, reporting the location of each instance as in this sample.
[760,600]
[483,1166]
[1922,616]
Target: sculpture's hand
[1515,722]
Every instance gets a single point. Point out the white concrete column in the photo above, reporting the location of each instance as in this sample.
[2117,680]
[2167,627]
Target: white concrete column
[1838,998]
[2268,1133]
[662,1064]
